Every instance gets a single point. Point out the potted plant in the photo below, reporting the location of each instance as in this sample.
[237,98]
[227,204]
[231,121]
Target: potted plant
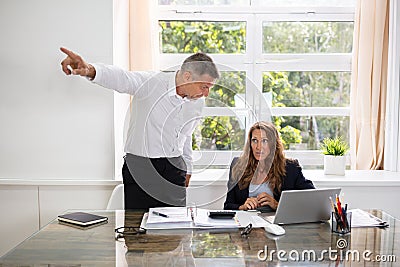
[334,150]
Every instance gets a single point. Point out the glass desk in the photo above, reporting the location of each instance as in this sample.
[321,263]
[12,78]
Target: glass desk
[310,244]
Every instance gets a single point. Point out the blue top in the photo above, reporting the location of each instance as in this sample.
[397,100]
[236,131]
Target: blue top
[256,189]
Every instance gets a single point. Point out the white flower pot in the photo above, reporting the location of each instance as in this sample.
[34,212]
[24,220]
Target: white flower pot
[334,165]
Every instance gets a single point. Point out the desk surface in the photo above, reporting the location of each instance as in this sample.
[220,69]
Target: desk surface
[303,244]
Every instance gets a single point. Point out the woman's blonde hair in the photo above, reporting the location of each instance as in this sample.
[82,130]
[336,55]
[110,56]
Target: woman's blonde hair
[246,166]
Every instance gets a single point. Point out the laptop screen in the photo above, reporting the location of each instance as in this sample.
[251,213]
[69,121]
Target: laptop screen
[301,206]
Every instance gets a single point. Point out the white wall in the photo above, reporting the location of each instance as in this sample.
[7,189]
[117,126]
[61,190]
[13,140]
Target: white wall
[54,126]
[20,215]
[25,208]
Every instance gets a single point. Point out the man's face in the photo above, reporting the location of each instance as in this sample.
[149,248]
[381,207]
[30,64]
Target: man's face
[197,86]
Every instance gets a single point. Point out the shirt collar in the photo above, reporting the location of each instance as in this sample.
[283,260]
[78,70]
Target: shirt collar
[172,88]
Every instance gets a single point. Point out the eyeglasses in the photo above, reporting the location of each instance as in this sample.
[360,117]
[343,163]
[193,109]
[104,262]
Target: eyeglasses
[247,230]
[123,231]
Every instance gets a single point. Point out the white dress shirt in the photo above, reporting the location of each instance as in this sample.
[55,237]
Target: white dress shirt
[161,122]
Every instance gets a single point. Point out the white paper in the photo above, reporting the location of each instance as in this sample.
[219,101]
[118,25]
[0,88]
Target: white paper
[360,218]
[181,218]
[201,219]
[175,215]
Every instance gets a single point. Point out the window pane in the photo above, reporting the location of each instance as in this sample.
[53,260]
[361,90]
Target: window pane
[219,133]
[268,3]
[308,89]
[307,132]
[305,3]
[307,37]
[208,37]
[229,91]
[205,2]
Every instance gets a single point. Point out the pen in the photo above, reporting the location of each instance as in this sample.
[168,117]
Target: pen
[336,214]
[338,204]
[344,216]
[342,213]
[160,214]
[333,205]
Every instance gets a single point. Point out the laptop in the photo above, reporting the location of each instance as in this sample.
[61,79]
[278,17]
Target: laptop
[303,206]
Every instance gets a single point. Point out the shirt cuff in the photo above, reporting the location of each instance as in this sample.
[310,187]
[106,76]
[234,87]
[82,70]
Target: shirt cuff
[99,73]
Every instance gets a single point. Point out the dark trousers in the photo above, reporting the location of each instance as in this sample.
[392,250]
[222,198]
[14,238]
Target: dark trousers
[158,182]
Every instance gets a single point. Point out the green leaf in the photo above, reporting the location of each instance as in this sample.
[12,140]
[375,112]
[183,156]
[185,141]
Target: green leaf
[335,147]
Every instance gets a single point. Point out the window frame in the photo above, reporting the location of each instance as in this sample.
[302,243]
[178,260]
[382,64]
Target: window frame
[254,62]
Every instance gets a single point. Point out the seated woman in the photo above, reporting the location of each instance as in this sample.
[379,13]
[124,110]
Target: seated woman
[262,172]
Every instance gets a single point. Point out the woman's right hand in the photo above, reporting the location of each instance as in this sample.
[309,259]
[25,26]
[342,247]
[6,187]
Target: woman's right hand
[250,204]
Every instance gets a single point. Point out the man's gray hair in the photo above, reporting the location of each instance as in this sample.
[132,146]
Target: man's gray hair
[200,64]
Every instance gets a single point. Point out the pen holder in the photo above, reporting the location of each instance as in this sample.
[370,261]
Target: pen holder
[342,244]
[341,224]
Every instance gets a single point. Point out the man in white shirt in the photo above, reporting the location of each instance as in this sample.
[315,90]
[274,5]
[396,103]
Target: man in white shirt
[166,107]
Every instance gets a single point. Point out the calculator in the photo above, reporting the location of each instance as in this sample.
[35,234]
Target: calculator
[221,214]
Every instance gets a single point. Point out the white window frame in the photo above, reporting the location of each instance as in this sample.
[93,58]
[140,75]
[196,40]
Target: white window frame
[254,62]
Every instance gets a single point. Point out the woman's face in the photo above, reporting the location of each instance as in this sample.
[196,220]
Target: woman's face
[259,144]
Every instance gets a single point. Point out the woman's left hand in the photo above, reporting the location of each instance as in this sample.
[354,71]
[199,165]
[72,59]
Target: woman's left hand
[265,199]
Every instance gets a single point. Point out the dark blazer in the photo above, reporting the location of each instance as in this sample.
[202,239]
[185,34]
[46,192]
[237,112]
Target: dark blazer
[293,180]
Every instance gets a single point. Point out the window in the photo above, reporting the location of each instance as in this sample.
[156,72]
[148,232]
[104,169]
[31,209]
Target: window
[284,61]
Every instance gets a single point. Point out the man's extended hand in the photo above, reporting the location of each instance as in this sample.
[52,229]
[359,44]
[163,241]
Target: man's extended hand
[77,66]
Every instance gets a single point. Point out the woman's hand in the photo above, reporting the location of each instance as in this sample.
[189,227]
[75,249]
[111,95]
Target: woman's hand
[250,204]
[265,199]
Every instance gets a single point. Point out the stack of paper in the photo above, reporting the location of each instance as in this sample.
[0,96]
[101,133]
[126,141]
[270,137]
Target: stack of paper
[202,220]
[168,218]
[360,218]
[182,218]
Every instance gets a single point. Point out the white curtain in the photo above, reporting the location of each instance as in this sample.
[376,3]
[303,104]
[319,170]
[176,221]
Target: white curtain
[143,35]
[369,84]
[135,48]
[392,142]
